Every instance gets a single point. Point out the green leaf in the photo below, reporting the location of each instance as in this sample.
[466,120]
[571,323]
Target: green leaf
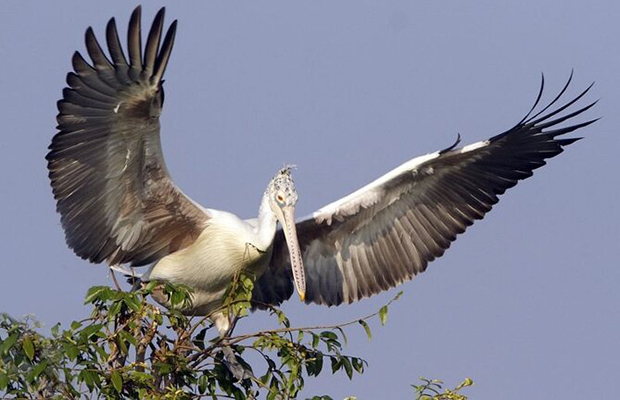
[150,286]
[101,351]
[36,371]
[344,337]
[8,343]
[329,335]
[117,381]
[4,381]
[88,377]
[272,394]
[28,347]
[366,328]
[282,319]
[132,302]
[347,367]
[358,364]
[122,346]
[314,365]
[465,383]
[143,377]
[177,298]
[248,283]
[114,309]
[128,337]
[72,351]
[75,325]
[336,364]
[315,340]
[97,293]
[91,330]
[383,314]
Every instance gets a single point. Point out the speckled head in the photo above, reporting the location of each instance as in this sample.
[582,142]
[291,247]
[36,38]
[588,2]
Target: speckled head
[282,188]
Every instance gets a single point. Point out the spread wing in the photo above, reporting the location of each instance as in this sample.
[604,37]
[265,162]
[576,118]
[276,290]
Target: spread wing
[388,231]
[113,191]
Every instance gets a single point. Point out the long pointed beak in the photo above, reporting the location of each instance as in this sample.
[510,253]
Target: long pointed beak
[287,219]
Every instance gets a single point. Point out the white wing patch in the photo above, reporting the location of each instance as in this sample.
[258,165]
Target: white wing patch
[474,146]
[369,194]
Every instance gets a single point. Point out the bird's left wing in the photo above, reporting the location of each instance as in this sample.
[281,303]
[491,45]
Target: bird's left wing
[387,232]
[113,191]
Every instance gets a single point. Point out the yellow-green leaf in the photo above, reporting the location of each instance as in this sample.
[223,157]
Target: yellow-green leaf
[4,381]
[117,381]
[383,314]
[8,343]
[366,328]
[465,383]
[36,371]
[94,292]
[28,347]
[344,337]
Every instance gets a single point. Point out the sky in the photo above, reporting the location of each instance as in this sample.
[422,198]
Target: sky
[526,302]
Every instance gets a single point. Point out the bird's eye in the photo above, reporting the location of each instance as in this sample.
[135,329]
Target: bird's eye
[280,198]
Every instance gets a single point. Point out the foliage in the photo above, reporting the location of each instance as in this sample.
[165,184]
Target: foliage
[431,389]
[130,348]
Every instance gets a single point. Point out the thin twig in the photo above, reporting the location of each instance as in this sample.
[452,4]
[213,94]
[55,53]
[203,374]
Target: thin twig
[118,287]
[240,338]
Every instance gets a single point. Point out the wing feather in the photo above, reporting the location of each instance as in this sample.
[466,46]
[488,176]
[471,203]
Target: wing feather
[388,231]
[116,199]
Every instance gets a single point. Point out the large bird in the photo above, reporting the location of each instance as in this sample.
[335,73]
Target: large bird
[119,205]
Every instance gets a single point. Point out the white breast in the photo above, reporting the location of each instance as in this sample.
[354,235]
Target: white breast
[224,248]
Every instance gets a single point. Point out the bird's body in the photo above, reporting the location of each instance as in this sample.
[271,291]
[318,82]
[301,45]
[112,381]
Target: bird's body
[119,205]
[226,247]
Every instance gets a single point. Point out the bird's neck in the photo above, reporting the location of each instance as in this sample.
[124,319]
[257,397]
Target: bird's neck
[267,223]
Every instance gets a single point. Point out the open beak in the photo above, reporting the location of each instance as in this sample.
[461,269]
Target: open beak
[287,220]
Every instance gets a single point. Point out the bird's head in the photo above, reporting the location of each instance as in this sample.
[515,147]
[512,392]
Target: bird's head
[282,191]
[282,200]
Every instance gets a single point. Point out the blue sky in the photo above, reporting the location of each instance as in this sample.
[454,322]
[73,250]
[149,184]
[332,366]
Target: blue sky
[525,303]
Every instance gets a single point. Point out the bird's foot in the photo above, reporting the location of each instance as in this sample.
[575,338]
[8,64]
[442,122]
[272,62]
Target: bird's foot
[234,366]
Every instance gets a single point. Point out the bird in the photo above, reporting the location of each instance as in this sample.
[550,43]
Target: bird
[119,205]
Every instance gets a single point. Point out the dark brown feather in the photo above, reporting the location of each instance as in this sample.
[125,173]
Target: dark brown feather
[116,199]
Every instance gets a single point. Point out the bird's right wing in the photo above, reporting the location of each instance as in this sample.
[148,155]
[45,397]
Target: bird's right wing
[116,199]
[388,231]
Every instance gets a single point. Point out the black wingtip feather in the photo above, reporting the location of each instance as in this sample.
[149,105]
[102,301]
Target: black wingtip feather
[537,123]
[80,65]
[165,52]
[533,121]
[114,44]
[538,98]
[557,97]
[566,142]
[153,40]
[453,146]
[134,41]
[100,61]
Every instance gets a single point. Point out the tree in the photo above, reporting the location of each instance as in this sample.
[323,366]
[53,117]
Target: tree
[130,348]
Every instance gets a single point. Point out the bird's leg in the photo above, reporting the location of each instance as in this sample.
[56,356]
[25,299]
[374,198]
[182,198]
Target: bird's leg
[118,287]
[225,327]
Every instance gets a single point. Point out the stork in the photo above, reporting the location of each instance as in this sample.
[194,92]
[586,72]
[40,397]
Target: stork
[119,205]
